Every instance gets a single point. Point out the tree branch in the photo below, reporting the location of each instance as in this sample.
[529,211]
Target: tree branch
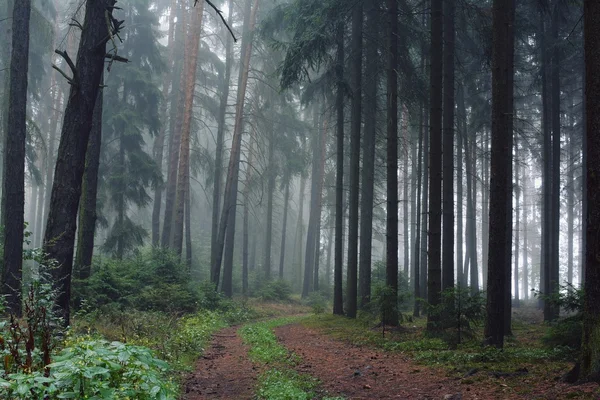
[63,54]
[220,13]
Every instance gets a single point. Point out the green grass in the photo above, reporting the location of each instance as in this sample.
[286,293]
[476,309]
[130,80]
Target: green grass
[280,381]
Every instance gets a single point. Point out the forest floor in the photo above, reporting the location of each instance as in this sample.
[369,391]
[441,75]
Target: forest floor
[351,361]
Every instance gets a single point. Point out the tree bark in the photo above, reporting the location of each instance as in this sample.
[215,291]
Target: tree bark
[177,115]
[13,193]
[218,176]
[355,125]
[159,143]
[448,149]
[230,194]
[246,225]
[271,174]
[338,297]
[460,137]
[590,349]
[391,268]
[183,170]
[87,209]
[434,277]
[66,190]
[501,155]
[368,165]
[286,198]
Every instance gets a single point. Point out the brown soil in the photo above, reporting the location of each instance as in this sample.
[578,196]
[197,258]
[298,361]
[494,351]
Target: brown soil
[224,372]
[364,373]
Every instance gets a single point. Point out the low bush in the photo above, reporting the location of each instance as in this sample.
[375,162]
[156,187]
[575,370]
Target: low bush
[153,280]
[278,290]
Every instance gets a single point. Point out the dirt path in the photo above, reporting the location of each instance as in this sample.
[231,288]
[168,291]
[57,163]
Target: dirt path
[224,372]
[364,373]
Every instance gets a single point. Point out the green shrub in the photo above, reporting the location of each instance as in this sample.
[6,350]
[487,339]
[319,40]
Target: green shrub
[91,368]
[565,332]
[153,280]
[278,290]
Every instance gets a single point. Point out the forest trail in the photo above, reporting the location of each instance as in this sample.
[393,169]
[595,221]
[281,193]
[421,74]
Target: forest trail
[224,371]
[349,372]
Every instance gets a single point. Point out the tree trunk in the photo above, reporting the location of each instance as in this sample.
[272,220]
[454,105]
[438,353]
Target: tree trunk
[218,176]
[485,210]
[405,196]
[271,174]
[246,225]
[417,243]
[298,243]
[502,99]
[66,190]
[87,209]
[319,206]
[355,125]
[183,170]
[525,250]
[546,251]
[471,260]
[571,191]
[391,241]
[368,165]
[551,310]
[177,115]
[13,191]
[159,143]
[448,151]
[460,137]
[188,225]
[338,297]
[435,164]
[517,226]
[286,198]
[230,194]
[590,349]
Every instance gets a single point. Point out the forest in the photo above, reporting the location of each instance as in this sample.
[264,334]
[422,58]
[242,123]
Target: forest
[300,199]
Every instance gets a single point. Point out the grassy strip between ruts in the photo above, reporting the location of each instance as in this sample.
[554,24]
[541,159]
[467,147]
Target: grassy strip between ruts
[279,381]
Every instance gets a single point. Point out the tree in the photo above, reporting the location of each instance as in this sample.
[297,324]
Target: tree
[87,209]
[230,194]
[183,170]
[502,102]
[434,275]
[391,269]
[355,125]
[338,300]
[590,348]
[448,148]
[77,123]
[13,180]
[368,165]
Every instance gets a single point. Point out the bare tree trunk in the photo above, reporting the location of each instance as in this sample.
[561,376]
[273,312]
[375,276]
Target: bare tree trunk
[434,278]
[66,190]
[246,225]
[338,300]
[87,209]
[502,108]
[271,174]
[485,209]
[570,191]
[13,192]
[368,165]
[286,201]
[391,268]
[355,125]
[177,115]
[448,151]
[460,137]
[590,349]
[159,143]
[517,226]
[230,194]
[218,176]
[183,175]
[525,250]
